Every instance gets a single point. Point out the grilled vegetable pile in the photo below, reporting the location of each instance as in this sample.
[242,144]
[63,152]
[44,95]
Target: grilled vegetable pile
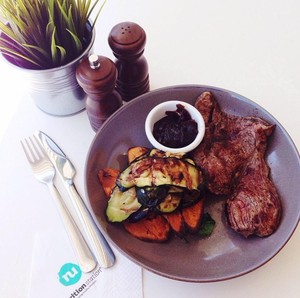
[156,194]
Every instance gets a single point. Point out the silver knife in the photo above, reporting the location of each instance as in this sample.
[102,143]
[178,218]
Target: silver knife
[66,170]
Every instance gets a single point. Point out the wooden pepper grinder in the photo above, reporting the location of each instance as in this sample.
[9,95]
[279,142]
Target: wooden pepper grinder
[97,76]
[127,41]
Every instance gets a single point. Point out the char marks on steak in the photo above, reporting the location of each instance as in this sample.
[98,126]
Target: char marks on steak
[231,157]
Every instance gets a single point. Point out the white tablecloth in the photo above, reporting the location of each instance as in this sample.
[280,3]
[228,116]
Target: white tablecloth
[252,48]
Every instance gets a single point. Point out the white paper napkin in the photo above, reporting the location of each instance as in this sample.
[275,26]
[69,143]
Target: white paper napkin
[55,273]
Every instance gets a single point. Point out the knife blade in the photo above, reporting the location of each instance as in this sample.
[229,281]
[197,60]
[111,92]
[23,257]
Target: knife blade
[66,170]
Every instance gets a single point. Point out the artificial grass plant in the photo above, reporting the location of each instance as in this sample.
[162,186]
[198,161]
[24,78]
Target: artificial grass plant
[43,34]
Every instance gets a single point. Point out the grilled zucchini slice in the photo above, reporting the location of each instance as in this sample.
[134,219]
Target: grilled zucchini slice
[122,204]
[156,171]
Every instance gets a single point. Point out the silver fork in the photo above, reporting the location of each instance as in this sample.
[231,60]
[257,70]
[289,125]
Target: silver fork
[44,171]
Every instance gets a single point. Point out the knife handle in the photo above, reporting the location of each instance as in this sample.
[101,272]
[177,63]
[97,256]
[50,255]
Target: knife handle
[84,256]
[101,248]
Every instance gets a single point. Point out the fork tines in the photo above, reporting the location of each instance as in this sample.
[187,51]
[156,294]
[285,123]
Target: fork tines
[32,148]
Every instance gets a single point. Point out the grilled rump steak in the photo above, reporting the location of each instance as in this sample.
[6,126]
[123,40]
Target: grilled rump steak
[228,143]
[231,157]
[254,207]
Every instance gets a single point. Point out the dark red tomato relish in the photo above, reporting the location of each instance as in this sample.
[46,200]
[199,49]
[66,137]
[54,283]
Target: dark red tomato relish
[177,129]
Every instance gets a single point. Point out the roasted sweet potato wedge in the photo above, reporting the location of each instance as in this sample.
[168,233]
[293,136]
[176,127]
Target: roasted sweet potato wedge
[192,216]
[135,152]
[107,178]
[176,221]
[154,229]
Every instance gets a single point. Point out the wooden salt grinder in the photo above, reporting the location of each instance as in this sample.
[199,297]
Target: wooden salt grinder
[127,41]
[97,76]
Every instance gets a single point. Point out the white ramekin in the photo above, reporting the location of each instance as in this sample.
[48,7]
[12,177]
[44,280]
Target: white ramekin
[159,111]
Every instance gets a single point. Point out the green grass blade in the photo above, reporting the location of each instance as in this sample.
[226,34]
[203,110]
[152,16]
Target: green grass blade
[99,11]
[53,47]
[77,42]
[14,54]
[38,49]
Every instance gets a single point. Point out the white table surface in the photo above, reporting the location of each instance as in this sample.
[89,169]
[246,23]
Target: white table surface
[250,47]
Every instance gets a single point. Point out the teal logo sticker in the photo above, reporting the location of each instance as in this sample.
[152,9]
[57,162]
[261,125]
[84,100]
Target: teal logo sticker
[69,274]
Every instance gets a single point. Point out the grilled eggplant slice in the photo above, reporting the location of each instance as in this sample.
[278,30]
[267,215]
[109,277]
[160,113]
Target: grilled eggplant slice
[160,153]
[190,197]
[156,171]
[176,189]
[170,203]
[151,196]
[139,214]
[122,204]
